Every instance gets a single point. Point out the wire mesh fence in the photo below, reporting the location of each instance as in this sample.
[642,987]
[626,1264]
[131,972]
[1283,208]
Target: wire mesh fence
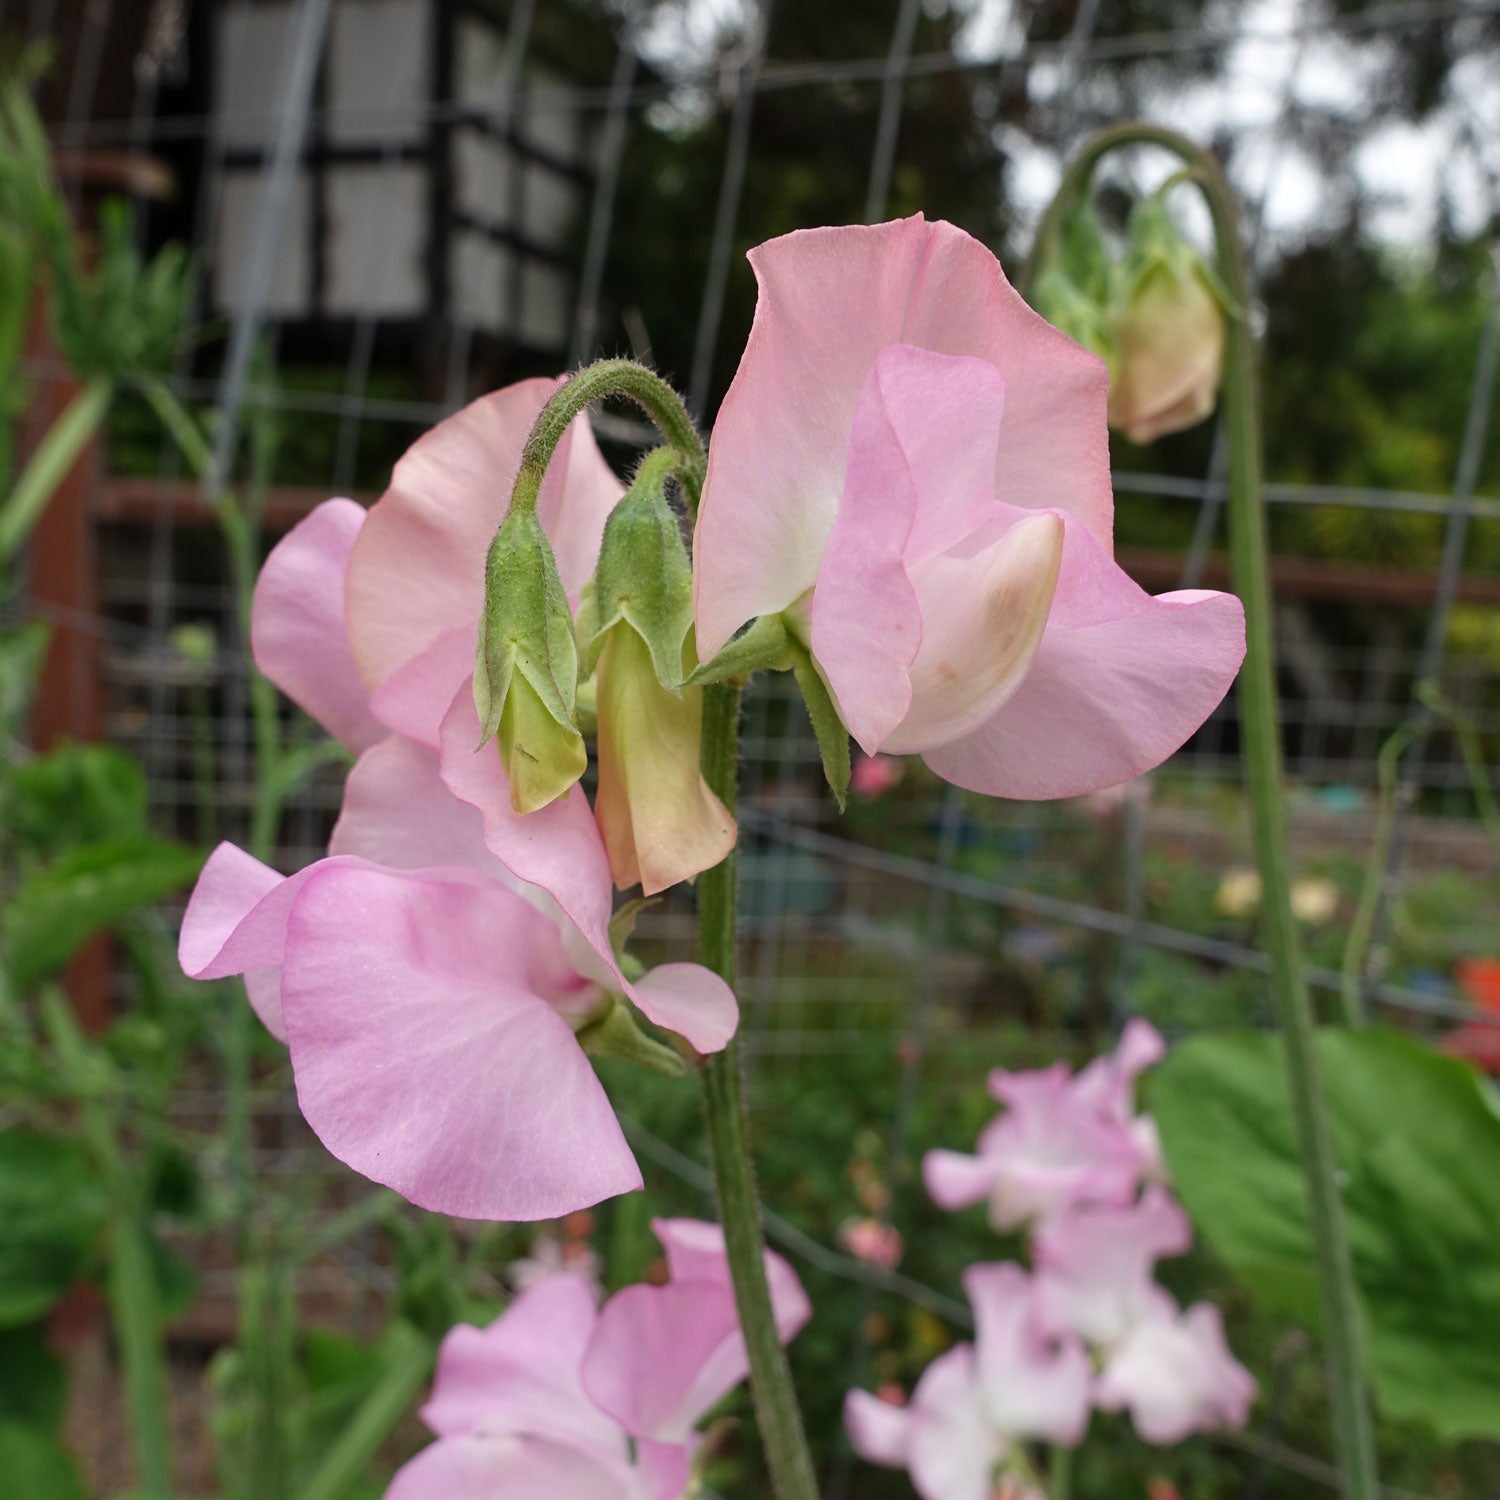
[397,204]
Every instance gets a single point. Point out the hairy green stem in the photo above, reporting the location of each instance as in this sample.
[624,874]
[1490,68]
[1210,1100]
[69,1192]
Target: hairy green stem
[734,1173]
[56,453]
[1353,1433]
[610,377]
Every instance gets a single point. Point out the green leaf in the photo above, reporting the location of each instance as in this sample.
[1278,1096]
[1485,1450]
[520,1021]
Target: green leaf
[77,794]
[833,738]
[57,909]
[53,1210]
[1418,1142]
[33,1381]
[35,1464]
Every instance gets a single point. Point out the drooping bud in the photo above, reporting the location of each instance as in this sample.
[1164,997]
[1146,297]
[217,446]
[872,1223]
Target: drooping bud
[1072,289]
[661,823]
[526,669]
[1168,321]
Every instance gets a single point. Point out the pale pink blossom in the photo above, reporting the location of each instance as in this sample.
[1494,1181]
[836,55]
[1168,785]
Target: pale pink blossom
[975,1404]
[555,1401]
[423,1057]
[912,467]
[1174,1373]
[1095,1264]
[1047,1152]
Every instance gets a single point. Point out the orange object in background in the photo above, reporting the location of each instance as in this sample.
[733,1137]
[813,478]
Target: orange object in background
[1478,1041]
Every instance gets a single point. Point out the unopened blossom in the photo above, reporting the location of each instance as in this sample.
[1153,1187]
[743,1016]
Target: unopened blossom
[1175,1375]
[431,990]
[874,1242]
[558,1401]
[1315,899]
[911,468]
[975,1405]
[1061,1141]
[873,776]
[1167,316]
[1238,894]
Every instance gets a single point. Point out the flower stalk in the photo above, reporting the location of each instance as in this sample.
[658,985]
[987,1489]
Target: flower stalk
[1353,1432]
[776,1408]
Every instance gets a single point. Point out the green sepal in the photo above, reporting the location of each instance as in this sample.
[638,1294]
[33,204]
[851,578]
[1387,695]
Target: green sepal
[526,666]
[1071,310]
[765,646]
[616,1034]
[833,737]
[622,925]
[1156,246]
[644,578]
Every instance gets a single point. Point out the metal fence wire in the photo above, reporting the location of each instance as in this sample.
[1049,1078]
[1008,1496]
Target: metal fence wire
[396,204]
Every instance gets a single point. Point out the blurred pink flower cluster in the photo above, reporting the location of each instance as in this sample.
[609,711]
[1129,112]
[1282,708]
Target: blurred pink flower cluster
[1071,1163]
[561,1400]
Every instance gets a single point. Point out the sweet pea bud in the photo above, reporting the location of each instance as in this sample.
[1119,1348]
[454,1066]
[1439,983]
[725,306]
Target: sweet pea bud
[660,822]
[1169,314]
[526,669]
[1072,289]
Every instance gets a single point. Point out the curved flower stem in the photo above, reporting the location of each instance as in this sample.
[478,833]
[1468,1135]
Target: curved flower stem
[610,377]
[734,1173]
[1354,1441]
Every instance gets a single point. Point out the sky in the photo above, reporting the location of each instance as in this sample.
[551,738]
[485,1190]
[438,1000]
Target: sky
[1404,171]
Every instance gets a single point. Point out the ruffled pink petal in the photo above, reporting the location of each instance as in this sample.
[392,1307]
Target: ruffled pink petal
[481,1467]
[418,569]
[1119,682]
[956,1181]
[521,1373]
[297,630]
[1095,1265]
[878,1432]
[690,1000]
[1176,1376]
[1107,1083]
[953,1445]
[235,923]
[663,1471]
[920,467]
[661,1356]
[414,698]
[1035,1385]
[559,850]
[420,1064]
[830,300]
[397,812]
[983,616]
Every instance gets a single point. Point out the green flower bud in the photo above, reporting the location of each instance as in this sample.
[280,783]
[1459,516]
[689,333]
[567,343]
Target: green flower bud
[526,668]
[1168,314]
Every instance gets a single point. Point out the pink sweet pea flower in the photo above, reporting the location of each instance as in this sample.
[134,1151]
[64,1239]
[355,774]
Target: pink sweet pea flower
[554,1401]
[975,1403]
[1174,1373]
[423,1057]
[913,466]
[1047,1152]
[1095,1264]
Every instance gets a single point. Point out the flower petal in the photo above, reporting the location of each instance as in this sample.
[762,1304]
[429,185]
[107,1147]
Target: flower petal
[955,1180]
[425,542]
[879,1432]
[414,698]
[661,1356]
[830,300]
[420,1063]
[297,630]
[953,1445]
[919,477]
[559,850]
[521,1373]
[1035,1386]
[479,1467]
[1119,682]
